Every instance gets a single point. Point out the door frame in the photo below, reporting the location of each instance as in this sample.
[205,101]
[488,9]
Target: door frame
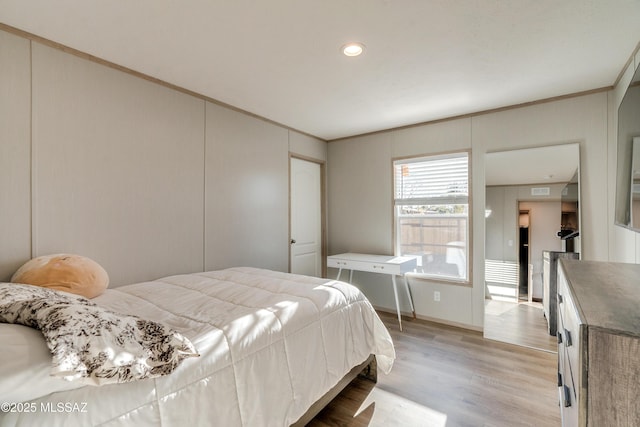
[526,212]
[323,208]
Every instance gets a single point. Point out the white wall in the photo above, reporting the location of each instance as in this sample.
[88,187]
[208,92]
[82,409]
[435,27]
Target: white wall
[146,180]
[360,198]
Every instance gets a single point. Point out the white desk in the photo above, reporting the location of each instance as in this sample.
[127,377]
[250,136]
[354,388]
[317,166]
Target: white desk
[383,264]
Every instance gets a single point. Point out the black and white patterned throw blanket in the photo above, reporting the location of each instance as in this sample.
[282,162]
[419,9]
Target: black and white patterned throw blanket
[91,344]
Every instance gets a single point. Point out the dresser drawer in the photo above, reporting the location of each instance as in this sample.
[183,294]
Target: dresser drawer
[561,348]
[571,333]
[569,348]
[567,390]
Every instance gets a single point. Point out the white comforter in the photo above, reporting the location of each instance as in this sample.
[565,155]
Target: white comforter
[271,344]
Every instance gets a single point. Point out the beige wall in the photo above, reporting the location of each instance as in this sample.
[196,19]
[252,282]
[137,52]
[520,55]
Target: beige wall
[544,220]
[146,180]
[360,214]
[113,174]
[502,240]
[15,160]
[247,191]
[502,224]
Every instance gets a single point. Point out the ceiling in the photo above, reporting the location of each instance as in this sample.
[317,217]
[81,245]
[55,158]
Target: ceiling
[279,59]
[540,165]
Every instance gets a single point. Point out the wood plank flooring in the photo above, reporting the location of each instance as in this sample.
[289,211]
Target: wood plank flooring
[446,376]
[521,324]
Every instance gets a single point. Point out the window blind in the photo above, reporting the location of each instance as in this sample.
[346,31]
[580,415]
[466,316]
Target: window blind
[434,180]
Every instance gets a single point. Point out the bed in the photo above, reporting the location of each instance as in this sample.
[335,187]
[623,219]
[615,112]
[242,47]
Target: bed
[271,345]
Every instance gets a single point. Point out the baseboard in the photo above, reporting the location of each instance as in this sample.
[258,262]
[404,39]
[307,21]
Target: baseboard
[431,319]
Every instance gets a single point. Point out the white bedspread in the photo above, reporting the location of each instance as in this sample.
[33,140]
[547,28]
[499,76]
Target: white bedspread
[271,344]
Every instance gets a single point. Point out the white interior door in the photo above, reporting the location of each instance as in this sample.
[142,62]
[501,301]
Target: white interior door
[306,218]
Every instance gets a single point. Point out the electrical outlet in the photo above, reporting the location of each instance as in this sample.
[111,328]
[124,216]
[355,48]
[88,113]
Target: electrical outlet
[436,296]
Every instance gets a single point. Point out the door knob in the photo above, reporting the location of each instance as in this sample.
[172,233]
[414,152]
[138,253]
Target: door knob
[293,241]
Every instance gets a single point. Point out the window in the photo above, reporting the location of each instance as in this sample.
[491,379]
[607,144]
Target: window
[431,204]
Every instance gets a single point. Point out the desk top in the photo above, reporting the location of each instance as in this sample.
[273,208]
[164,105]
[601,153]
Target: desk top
[386,259]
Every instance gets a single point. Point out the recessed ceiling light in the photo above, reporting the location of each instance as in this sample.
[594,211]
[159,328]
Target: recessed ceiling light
[352,49]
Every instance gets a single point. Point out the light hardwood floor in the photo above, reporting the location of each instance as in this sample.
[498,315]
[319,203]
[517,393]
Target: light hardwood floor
[518,323]
[446,376]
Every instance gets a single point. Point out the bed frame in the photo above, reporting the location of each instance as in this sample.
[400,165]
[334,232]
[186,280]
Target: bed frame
[367,369]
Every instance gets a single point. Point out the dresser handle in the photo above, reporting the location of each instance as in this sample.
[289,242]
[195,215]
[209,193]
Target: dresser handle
[559,379]
[567,397]
[559,298]
[567,338]
[559,337]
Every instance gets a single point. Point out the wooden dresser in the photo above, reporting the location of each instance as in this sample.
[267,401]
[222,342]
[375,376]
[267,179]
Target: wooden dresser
[599,343]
